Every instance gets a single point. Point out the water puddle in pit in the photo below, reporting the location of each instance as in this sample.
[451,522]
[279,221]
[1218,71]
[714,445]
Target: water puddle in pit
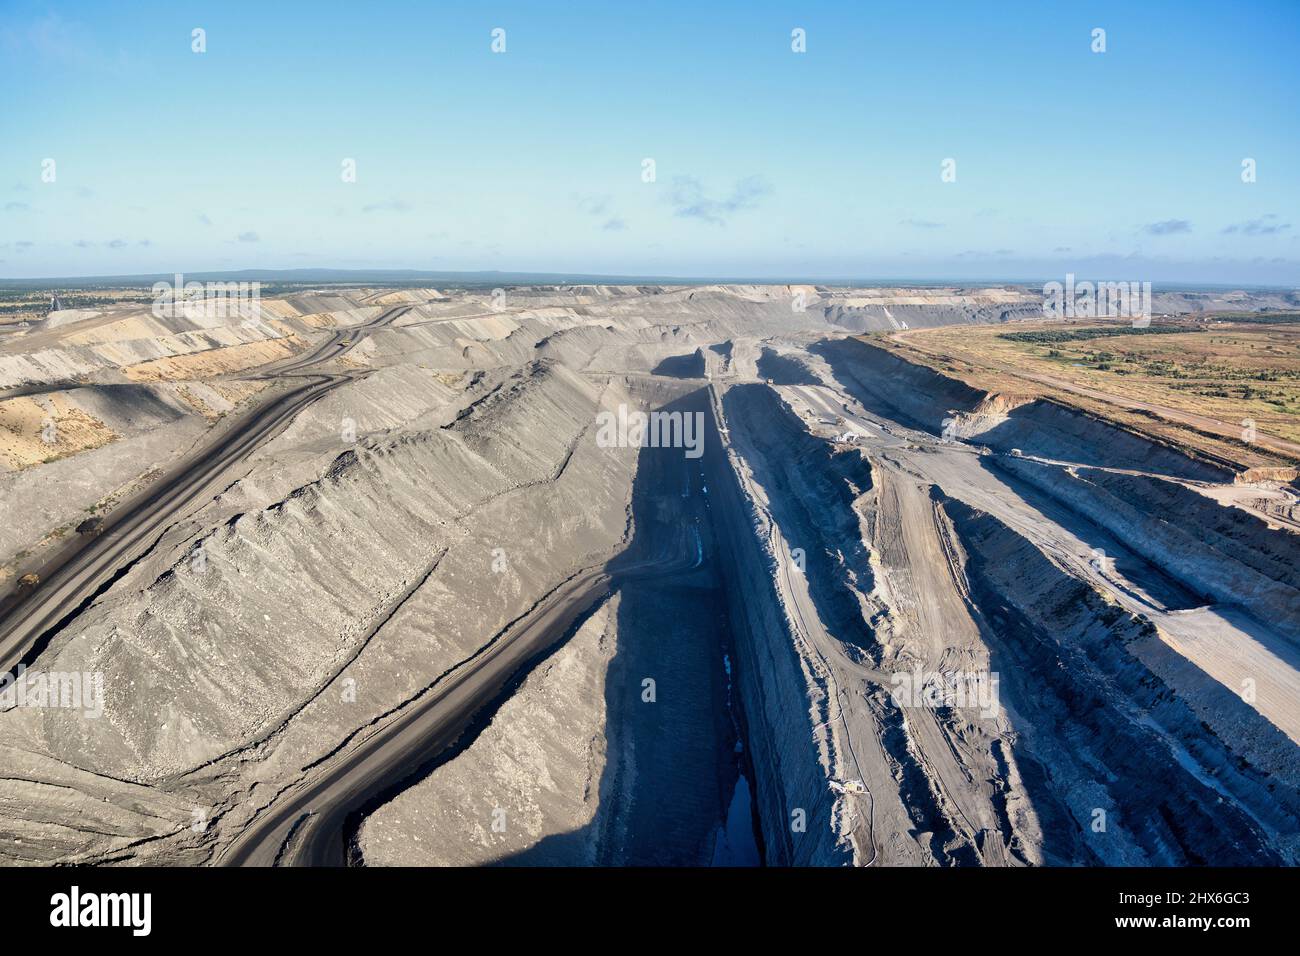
[736,844]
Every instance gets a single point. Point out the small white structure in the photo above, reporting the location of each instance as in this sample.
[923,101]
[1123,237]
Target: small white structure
[848,786]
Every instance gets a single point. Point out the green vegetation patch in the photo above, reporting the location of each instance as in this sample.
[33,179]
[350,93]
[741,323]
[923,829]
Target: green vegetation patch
[1056,336]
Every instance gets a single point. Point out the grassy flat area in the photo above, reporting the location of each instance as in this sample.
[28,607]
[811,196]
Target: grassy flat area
[1197,376]
[32,305]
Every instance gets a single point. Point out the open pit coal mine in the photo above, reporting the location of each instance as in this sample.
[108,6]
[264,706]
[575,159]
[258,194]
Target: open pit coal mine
[621,576]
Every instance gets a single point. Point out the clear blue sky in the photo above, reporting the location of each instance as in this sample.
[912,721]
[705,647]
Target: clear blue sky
[769,163]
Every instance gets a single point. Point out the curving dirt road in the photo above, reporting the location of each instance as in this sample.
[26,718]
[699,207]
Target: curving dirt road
[87,566]
[304,826]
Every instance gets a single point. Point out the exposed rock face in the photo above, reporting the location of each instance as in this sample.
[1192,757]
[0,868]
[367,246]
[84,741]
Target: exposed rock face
[338,552]
[1170,794]
[132,341]
[641,769]
[1224,554]
[912,393]
[1044,428]
[786,693]
[923,311]
[782,627]
[530,783]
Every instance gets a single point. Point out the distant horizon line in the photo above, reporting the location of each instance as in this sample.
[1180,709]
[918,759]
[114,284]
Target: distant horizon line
[485,276]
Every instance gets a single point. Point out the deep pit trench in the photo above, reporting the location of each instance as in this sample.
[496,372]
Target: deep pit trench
[678,786]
